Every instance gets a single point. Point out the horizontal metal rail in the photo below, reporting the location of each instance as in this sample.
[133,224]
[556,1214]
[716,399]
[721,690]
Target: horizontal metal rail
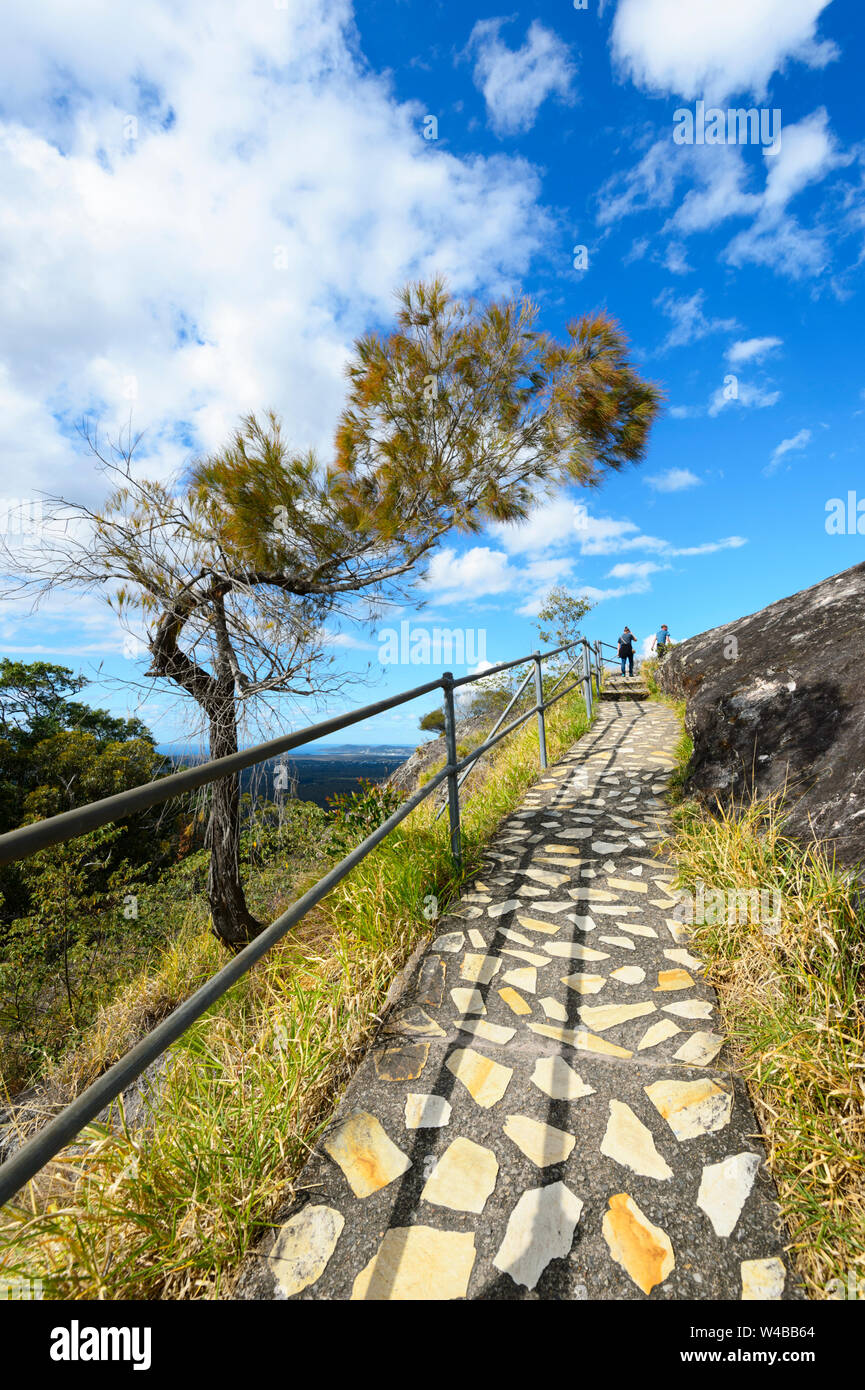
[27,840]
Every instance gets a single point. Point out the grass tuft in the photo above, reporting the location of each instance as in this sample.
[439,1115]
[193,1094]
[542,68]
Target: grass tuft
[792,1002]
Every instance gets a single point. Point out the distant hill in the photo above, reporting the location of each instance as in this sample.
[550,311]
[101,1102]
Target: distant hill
[315,772]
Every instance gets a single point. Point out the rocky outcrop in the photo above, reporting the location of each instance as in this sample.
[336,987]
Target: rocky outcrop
[777,700]
[469,732]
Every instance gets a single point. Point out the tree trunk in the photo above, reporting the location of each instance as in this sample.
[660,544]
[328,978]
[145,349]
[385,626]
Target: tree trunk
[232,921]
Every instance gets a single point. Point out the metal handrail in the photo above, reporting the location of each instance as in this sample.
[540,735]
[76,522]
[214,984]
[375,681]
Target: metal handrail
[18,844]
[505,712]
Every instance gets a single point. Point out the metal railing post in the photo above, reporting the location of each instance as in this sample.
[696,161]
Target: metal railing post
[539,701]
[587,679]
[453,784]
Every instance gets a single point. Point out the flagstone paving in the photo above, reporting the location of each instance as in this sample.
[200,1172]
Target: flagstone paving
[548,1111]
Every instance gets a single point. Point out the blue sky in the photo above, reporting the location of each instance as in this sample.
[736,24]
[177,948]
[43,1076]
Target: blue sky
[205,205]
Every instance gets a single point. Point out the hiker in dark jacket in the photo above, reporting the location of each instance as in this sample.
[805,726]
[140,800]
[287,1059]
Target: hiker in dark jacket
[626,650]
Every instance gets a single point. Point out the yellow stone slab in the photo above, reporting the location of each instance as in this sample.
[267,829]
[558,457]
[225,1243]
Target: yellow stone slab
[628,885]
[556,1079]
[763,1280]
[700,1049]
[690,1008]
[515,1002]
[463,1178]
[691,1108]
[559,859]
[367,1157]
[485,1080]
[479,970]
[627,1141]
[417,1264]
[530,957]
[535,924]
[541,1143]
[515,936]
[304,1246]
[680,956]
[658,1033]
[546,877]
[525,977]
[554,1010]
[575,950]
[629,974]
[673,979]
[580,1039]
[643,1250]
[604,1016]
[468,1000]
[490,1032]
[584,984]
[638,929]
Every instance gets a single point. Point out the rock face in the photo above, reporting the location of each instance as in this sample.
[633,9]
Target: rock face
[778,698]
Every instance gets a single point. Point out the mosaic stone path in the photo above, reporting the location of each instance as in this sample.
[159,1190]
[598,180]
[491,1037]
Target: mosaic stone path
[547,1111]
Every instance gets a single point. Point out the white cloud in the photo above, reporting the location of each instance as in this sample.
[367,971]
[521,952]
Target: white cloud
[676,260]
[808,152]
[722,188]
[635,571]
[479,571]
[274,196]
[516,82]
[751,350]
[640,586]
[601,535]
[689,322]
[711,547]
[639,247]
[748,395]
[713,50]
[550,525]
[797,442]
[674,480]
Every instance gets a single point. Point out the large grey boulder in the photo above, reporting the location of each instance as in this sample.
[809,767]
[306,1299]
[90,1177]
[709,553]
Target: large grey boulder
[778,699]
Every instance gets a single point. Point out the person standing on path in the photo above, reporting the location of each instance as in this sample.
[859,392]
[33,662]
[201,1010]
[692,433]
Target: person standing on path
[660,640]
[626,650]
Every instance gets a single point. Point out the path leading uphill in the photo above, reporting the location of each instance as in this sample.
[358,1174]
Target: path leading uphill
[547,1111]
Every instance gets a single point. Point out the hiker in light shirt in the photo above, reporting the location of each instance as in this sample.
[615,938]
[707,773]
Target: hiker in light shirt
[660,640]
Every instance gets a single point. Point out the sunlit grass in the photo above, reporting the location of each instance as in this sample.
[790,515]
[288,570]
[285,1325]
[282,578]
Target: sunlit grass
[792,1003]
[167,1211]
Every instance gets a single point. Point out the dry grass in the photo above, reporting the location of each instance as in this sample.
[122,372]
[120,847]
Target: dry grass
[793,1008]
[167,1212]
